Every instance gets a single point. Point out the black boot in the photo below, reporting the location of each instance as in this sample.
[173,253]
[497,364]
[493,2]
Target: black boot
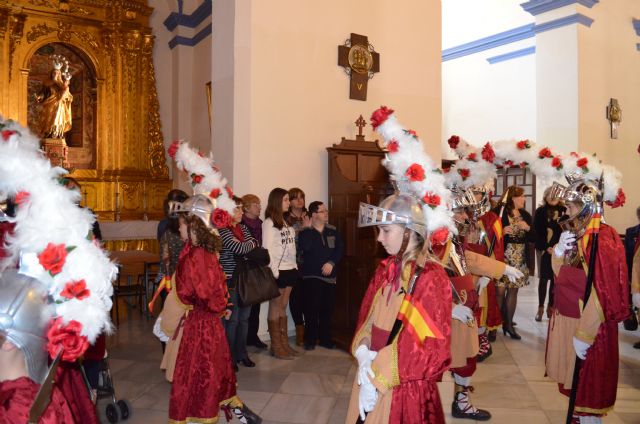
[246,415]
[466,410]
[492,335]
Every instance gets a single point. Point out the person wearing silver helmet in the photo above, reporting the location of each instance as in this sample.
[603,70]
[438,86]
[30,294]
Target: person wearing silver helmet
[25,313]
[203,379]
[485,238]
[470,273]
[398,369]
[588,249]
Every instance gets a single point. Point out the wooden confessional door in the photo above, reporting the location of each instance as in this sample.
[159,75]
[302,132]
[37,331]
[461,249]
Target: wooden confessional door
[355,175]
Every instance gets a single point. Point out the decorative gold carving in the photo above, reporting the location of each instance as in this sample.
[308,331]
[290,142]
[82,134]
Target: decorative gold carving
[4,22]
[147,245]
[44,3]
[38,31]
[157,160]
[130,190]
[17,29]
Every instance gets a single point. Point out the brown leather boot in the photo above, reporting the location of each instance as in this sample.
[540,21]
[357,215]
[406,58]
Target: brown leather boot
[299,335]
[277,349]
[285,337]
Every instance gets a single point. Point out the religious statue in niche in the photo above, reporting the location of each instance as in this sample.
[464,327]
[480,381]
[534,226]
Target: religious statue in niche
[56,100]
[361,62]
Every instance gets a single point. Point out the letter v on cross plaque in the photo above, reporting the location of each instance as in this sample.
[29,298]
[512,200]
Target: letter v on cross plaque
[360,61]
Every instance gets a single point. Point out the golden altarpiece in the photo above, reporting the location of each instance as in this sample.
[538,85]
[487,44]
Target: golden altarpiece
[115,145]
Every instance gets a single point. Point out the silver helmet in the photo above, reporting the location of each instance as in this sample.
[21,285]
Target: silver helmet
[199,205]
[484,204]
[402,209]
[25,312]
[584,192]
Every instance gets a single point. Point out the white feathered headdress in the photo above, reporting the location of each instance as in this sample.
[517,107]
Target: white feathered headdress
[407,162]
[206,179]
[547,165]
[53,238]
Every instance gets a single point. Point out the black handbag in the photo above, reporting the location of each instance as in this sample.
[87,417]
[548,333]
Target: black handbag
[253,278]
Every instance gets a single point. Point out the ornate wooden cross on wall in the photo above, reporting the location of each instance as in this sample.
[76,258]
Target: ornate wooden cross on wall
[360,62]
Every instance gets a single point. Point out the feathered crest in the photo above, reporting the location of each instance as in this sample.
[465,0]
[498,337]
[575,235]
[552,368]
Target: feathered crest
[545,164]
[206,177]
[53,238]
[415,172]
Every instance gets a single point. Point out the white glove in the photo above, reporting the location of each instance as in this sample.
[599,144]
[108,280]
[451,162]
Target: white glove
[482,283]
[365,357]
[367,399]
[580,347]
[636,300]
[462,313]
[512,273]
[567,238]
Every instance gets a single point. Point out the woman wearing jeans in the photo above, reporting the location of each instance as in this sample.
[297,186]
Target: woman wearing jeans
[236,240]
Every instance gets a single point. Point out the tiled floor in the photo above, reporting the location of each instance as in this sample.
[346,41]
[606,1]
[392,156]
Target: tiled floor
[314,388]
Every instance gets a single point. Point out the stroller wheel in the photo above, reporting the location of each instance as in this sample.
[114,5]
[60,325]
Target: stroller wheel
[113,414]
[125,409]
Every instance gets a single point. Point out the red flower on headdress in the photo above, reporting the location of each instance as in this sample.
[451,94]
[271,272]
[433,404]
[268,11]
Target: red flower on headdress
[214,193]
[523,164]
[582,163]
[393,146]
[53,257]
[464,173]
[556,162]
[379,116]
[200,154]
[229,191]
[432,200]
[545,152]
[75,289]
[620,199]
[508,163]
[453,141]
[440,236]
[196,179]
[415,172]
[472,157]
[68,338]
[487,153]
[7,133]
[173,149]
[21,197]
[523,144]
[446,170]
[412,133]
[220,218]
[574,154]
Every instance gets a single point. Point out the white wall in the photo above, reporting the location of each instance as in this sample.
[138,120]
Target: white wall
[481,101]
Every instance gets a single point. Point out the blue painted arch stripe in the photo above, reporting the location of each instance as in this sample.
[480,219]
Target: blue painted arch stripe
[512,55]
[486,43]
[536,7]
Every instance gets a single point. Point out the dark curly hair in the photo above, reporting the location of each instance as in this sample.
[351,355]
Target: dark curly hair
[204,237]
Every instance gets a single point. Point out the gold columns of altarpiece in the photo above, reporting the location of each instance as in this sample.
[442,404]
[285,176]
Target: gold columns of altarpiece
[130,179]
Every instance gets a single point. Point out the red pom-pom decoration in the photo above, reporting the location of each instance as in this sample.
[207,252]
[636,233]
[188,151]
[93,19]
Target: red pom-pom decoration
[453,141]
[393,146]
[173,149]
[68,338]
[432,200]
[439,236]
[379,116]
[220,218]
[487,153]
[415,172]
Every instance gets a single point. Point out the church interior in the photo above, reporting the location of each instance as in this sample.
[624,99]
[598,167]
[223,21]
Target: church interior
[279,96]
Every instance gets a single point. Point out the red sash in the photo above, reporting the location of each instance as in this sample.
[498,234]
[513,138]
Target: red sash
[569,289]
[466,290]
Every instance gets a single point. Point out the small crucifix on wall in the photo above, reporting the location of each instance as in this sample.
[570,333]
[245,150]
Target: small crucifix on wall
[360,61]
[614,116]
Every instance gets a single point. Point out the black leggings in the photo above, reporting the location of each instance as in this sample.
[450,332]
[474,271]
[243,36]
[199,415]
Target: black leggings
[542,291]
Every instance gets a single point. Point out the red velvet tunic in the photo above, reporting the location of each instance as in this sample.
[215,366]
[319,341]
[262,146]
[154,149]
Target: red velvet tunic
[599,373]
[203,379]
[16,398]
[419,366]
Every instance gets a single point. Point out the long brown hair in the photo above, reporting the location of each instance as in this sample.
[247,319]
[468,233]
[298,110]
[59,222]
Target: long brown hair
[274,207]
[204,237]
[512,191]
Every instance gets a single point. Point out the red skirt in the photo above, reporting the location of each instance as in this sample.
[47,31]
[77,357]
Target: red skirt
[494,317]
[203,378]
[416,402]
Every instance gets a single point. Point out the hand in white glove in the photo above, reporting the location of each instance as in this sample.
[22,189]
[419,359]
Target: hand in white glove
[367,399]
[512,273]
[567,238]
[636,300]
[462,313]
[580,347]
[481,284]
[365,357]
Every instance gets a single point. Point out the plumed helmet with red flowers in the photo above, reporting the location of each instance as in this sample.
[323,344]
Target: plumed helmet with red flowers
[199,205]
[25,313]
[400,208]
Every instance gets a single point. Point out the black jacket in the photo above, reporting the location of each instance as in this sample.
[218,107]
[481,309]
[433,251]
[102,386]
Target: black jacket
[319,248]
[542,222]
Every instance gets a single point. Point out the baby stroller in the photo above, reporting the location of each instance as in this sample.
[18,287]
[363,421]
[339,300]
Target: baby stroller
[97,376]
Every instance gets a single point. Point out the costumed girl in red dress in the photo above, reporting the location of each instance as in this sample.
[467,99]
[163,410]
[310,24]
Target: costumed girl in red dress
[203,380]
[398,370]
